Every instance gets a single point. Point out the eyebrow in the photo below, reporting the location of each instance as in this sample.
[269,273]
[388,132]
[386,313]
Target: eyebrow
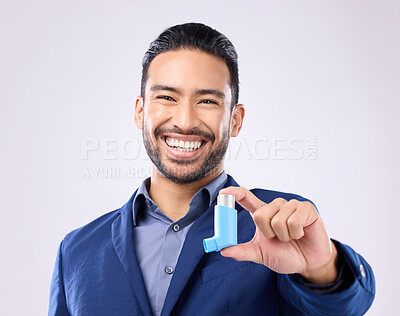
[217,93]
[159,87]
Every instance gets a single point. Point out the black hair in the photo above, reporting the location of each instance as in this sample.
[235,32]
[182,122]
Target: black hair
[195,36]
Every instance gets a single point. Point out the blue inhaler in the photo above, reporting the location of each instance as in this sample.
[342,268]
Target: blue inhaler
[225,224]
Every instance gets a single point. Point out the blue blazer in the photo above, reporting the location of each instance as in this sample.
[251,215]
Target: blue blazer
[97,273]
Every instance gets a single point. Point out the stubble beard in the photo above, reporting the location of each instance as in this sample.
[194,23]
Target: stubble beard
[193,174]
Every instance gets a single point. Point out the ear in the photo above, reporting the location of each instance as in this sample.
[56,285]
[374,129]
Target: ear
[237,119]
[139,112]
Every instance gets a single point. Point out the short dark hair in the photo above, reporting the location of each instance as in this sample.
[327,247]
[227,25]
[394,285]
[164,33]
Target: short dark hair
[195,36]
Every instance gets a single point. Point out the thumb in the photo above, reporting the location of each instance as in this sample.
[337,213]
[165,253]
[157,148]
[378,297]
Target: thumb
[241,252]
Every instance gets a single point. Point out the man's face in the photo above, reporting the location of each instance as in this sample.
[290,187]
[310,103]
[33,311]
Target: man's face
[186,116]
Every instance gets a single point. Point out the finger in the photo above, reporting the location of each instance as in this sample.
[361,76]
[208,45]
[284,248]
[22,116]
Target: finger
[304,216]
[263,216]
[295,226]
[244,197]
[242,252]
[279,222]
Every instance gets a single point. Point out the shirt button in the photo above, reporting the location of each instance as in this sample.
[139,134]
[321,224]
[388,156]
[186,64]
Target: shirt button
[362,271]
[176,228]
[169,270]
[148,203]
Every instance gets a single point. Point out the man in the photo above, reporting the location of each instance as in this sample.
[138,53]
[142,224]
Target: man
[148,258]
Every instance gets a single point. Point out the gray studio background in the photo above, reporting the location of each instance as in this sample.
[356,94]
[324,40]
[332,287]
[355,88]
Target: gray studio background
[319,79]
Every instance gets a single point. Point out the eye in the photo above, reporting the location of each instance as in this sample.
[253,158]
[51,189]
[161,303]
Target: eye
[209,102]
[165,97]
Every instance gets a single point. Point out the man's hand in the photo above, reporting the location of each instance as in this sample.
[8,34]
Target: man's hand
[290,237]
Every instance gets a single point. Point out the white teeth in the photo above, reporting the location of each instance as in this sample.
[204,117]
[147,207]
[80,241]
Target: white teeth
[181,145]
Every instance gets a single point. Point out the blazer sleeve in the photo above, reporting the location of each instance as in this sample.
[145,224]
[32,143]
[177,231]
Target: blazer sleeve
[57,304]
[356,299]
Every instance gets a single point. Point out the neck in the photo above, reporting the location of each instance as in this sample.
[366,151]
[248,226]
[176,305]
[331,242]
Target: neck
[173,198]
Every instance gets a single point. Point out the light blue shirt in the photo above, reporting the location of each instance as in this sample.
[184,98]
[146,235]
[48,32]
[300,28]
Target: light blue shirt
[159,240]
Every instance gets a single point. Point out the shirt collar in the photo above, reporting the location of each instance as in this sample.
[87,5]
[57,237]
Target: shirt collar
[210,190]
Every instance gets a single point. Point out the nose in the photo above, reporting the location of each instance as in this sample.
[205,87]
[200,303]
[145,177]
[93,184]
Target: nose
[186,116]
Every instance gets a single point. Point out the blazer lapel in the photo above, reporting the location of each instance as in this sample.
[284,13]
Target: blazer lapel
[191,253]
[122,237]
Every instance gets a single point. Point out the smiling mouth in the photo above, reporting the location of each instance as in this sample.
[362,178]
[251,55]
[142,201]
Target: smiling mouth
[182,145]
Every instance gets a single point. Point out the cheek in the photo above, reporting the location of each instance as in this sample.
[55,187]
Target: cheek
[220,124]
[154,117]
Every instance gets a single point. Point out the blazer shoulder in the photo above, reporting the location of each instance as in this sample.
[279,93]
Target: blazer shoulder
[97,229]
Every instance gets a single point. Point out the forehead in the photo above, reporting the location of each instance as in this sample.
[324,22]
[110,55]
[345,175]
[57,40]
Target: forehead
[189,70]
